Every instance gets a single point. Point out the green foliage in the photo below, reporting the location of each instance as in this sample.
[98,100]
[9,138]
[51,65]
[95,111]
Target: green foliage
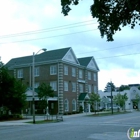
[112,15]
[80,109]
[111,85]
[137,98]
[11,92]
[124,87]
[44,91]
[94,98]
[120,99]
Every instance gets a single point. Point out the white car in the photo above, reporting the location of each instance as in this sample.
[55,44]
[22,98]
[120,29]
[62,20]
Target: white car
[115,107]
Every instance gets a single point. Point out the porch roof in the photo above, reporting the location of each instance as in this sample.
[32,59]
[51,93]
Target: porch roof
[83,96]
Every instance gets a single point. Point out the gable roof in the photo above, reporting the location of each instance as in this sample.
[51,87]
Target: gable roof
[45,56]
[70,57]
[82,96]
[84,61]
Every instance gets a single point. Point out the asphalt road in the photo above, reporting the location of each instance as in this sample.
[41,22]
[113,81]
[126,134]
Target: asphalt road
[113,127]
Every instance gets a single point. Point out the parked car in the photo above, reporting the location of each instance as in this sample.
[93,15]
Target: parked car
[101,108]
[115,107]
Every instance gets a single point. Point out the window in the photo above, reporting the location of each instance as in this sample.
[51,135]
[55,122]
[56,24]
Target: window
[36,85]
[65,70]
[65,86]
[89,88]
[53,70]
[73,87]
[73,72]
[66,105]
[20,73]
[95,89]
[89,75]
[36,72]
[94,76]
[80,74]
[73,105]
[81,88]
[53,84]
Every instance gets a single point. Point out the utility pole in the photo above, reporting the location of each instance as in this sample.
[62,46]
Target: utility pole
[111,99]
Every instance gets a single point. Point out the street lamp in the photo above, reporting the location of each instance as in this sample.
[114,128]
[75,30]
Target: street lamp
[33,81]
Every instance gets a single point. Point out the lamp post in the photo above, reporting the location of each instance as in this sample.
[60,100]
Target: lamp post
[33,81]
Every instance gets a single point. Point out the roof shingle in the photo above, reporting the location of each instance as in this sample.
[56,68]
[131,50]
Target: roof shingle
[45,56]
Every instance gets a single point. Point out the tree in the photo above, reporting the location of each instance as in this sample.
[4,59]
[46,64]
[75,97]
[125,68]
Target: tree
[112,15]
[94,99]
[45,91]
[109,86]
[12,92]
[120,99]
[124,87]
[137,99]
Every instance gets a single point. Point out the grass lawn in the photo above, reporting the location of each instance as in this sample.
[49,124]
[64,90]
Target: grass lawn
[43,121]
[107,113]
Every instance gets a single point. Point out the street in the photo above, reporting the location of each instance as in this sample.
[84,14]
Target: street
[86,127]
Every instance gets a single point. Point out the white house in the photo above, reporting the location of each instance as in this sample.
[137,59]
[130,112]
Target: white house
[129,104]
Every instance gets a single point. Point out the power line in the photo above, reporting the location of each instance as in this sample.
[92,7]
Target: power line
[119,55]
[49,36]
[49,29]
[110,48]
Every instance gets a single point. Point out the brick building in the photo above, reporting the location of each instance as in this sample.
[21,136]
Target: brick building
[72,78]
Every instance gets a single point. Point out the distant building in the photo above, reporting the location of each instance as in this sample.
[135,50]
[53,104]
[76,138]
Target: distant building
[131,94]
[72,78]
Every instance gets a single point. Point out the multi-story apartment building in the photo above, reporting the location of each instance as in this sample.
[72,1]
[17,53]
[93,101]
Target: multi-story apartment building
[71,78]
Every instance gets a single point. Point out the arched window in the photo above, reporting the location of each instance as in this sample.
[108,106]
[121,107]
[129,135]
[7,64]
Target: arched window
[73,105]
[66,105]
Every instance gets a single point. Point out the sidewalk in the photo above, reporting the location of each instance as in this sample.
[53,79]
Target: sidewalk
[41,117]
[30,118]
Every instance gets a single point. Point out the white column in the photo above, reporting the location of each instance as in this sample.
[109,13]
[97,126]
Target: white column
[83,106]
[106,106]
[88,107]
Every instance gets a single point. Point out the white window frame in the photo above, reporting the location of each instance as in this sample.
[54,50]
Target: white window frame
[89,88]
[66,86]
[65,70]
[73,105]
[95,76]
[81,88]
[53,70]
[20,73]
[73,86]
[36,71]
[66,105]
[73,72]
[53,84]
[89,75]
[81,74]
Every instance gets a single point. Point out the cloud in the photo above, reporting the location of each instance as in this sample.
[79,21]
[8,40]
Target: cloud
[22,16]
[11,50]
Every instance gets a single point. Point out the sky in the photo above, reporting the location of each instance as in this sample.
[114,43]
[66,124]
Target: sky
[27,26]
